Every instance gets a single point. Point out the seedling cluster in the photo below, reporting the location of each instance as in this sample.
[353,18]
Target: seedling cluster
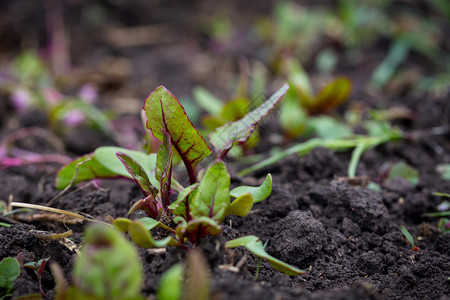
[199,208]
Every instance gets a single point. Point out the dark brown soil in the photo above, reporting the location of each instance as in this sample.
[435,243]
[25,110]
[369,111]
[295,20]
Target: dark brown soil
[346,237]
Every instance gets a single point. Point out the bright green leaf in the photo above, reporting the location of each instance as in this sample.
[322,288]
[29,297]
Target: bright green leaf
[143,238]
[254,245]
[103,163]
[407,235]
[259,193]
[107,157]
[122,224]
[224,137]
[9,271]
[212,198]
[83,168]
[171,283]
[241,206]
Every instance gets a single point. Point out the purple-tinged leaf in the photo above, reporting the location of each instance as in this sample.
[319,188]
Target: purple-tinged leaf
[197,229]
[165,113]
[150,205]
[224,137]
[163,171]
[138,173]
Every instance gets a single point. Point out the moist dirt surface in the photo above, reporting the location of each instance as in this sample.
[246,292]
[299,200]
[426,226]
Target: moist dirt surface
[345,236]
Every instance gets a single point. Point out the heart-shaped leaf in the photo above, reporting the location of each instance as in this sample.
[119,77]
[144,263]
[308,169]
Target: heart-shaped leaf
[254,245]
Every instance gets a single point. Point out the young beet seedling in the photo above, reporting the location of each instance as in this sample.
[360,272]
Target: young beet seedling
[409,238]
[202,206]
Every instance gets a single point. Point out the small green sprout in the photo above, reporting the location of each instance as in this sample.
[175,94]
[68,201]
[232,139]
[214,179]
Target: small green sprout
[38,268]
[409,238]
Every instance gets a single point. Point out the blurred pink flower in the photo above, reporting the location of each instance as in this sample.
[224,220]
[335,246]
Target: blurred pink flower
[20,99]
[74,117]
[88,93]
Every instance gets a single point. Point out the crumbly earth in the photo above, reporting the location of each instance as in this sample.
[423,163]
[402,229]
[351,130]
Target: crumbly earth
[346,237]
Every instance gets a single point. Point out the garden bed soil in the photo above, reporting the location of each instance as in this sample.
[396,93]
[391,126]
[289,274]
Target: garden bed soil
[346,237]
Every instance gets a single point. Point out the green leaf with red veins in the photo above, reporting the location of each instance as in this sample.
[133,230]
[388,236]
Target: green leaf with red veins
[213,195]
[224,137]
[165,113]
[181,206]
[163,171]
[138,173]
